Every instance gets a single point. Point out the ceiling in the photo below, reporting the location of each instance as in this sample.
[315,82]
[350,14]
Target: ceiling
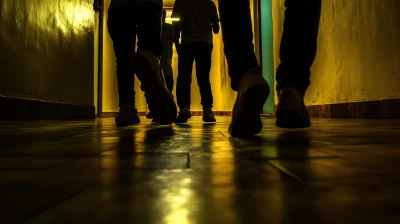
[168,3]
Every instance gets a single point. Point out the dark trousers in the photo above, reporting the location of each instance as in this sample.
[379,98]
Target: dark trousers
[123,25]
[169,81]
[166,67]
[298,46]
[201,52]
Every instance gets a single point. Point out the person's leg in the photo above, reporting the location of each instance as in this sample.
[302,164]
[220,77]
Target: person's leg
[184,80]
[237,35]
[124,40]
[297,53]
[244,70]
[298,44]
[166,67]
[145,63]
[148,18]
[148,115]
[203,68]
[169,81]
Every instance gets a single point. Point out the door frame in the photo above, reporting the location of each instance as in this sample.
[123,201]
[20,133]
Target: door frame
[267,51]
[100,61]
[263,44]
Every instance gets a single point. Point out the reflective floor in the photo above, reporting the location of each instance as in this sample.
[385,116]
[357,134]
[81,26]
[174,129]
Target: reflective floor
[338,171]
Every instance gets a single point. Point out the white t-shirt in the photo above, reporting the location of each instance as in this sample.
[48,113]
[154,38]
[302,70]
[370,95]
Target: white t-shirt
[131,3]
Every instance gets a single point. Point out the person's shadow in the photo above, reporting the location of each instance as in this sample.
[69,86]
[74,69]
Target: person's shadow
[263,150]
[136,157]
[135,146]
[293,145]
[158,135]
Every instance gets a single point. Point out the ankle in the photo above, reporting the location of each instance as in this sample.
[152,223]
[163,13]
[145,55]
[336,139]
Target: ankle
[251,71]
[290,89]
[251,76]
[127,105]
[184,108]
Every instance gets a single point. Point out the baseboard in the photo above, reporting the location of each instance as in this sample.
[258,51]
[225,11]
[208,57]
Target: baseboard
[379,109]
[143,113]
[15,109]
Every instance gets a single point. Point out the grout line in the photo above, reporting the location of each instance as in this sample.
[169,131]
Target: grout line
[286,171]
[188,161]
[46,208]
[86,155]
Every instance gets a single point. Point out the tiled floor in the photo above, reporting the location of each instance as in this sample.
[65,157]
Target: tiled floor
[338,171]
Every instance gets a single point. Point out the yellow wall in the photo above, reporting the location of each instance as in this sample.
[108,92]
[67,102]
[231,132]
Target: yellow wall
[109,93]
[46,50]
[224,97]
[358,51]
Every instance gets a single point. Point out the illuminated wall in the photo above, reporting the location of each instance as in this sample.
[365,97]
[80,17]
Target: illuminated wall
[46,50]
[224,97]
[358,56]
[109,94]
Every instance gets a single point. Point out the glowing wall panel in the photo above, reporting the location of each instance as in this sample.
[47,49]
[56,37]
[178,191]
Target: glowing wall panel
[46,50]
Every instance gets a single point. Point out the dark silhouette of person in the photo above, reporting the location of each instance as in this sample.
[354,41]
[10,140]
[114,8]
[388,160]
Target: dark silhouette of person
[198,20]
[297,54]
[126,20]
[167,38]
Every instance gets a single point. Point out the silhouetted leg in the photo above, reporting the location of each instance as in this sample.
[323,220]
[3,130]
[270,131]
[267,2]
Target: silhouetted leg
[169,81]
[185,67]
[237,34]
[297,53]
[145,62]
[299,43]
[244,70]
[149,28]
[124,40]
[203,68]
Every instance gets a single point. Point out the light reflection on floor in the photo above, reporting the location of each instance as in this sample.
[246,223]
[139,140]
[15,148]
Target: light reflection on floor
[89,171]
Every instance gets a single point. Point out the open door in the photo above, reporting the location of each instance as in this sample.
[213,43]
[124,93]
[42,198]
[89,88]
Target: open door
[267,52]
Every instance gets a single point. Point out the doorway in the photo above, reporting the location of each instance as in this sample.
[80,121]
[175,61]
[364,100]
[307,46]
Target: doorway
[267,52]
[224,97]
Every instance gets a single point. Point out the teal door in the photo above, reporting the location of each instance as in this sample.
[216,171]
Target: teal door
[267,52]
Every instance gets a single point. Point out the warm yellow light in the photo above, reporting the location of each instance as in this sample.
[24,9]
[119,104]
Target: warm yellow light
[172,19]
[76,17]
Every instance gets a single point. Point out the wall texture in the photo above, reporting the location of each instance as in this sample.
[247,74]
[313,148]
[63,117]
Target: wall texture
[358,56]
[47,50]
